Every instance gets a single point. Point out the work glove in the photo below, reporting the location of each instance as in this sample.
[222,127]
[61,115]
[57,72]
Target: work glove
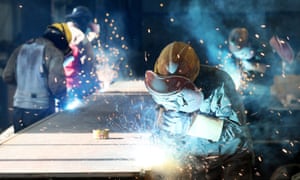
[94,31]
[175,123]
[77,35]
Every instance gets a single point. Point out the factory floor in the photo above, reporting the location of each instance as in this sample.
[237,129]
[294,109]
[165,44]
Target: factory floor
[275,134]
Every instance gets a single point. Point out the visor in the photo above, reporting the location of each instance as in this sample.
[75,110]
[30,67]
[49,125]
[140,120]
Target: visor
[166,85]
[283,48]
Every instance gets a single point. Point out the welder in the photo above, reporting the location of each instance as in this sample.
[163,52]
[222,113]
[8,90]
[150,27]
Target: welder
[36,68]
[200,116]
[257,65]
[80,66]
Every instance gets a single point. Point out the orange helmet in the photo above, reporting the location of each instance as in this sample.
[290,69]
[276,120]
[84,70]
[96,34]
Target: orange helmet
[178,58]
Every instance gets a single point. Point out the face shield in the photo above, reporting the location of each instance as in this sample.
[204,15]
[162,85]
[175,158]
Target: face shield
[173,92]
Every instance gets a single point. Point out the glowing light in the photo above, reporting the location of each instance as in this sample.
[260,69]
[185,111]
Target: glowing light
[257,174]
[146,56]
[172,19]
[263,26]
[259,158]
[284,151]
[146,159]
[74,104]
[159,157]
[149,30]
[20,6]
[161,5]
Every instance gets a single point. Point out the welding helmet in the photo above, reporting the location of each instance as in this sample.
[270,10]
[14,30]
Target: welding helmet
[178,58]
[239,43]
[238,38]
[60,35]
[173,92]
[81,16]
[169,85]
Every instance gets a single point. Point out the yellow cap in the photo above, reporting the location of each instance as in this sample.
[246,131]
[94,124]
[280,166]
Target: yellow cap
[63,27]
[178,58]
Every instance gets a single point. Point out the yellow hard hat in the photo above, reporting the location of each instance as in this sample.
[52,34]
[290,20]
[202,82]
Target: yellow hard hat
[178,58]
[64,29]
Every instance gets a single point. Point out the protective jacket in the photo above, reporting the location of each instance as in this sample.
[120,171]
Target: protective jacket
[201,118]
[221,101]
[36,67]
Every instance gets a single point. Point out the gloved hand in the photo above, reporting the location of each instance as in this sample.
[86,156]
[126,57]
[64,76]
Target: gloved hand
[191,100]
[77,35]
[95,31]
[175,123]
[95,27]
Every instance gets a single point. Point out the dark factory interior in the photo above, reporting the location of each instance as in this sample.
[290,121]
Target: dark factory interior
[132,34]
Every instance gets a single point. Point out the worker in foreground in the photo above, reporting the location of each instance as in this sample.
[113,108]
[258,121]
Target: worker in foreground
[200,117]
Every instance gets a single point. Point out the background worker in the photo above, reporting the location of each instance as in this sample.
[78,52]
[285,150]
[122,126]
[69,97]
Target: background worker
[80,66]
[257,65]
[200,116]
[36,68]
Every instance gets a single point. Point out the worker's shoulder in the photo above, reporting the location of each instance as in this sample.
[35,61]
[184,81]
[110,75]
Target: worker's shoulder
[50,49]
[207,71]
[44,41]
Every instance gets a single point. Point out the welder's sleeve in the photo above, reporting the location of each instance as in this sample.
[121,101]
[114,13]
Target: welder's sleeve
[88,58]
[9,73]
[192,99]
[219,105]
[88,48]
[56,74]
[173,122]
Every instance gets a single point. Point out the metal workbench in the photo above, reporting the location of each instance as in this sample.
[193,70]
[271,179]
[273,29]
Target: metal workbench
[62,145]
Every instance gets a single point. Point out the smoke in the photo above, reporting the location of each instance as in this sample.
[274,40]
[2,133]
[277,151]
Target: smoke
[112,50]
[200,25]
[208,24]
